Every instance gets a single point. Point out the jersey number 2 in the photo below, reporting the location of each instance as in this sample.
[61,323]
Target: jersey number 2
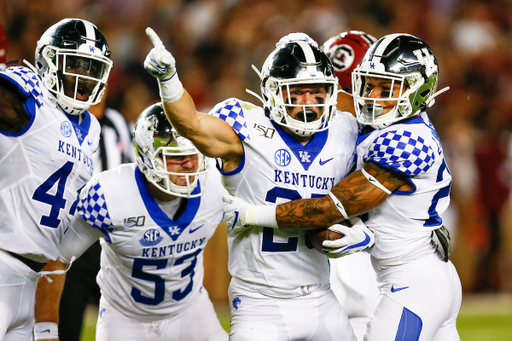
[269,245]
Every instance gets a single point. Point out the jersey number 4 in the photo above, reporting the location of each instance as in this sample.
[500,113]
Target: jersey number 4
[55,198]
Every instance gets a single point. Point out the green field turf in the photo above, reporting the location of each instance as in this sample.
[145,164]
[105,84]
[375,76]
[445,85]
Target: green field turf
[482,318]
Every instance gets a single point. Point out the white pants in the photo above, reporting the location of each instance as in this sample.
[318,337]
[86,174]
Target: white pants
[18,285]
[419,301]
[316,316]
[354,283]
[196,323]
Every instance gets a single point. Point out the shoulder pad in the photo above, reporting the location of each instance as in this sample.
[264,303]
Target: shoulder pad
[401,150]
[92,206]
[232,112]
[26,81]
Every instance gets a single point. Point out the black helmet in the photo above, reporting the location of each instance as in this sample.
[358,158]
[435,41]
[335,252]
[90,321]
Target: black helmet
[74,50]
[297,63]
[405,60]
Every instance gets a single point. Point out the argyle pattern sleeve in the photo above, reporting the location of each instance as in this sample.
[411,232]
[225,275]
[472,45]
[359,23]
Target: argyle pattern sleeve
[93,207]
[231,111]
[402,151]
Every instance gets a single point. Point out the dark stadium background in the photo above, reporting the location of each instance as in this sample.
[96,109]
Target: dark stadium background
[216,41]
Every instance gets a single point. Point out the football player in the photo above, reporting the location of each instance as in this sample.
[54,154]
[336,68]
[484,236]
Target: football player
[352,278]
[153,219]
[403,182]
[81,288]
[295,146]
[47,141]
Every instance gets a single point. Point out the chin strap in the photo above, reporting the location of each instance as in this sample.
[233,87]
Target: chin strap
[258,72]
[30,66]
[252,92]
[431,100]
[255,95]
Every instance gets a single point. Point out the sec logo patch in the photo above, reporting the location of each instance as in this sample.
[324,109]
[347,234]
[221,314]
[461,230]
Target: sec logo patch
[282,157]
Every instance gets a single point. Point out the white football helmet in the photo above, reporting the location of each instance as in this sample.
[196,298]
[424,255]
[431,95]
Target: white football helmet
[154,140]
[73,62]
[297,63]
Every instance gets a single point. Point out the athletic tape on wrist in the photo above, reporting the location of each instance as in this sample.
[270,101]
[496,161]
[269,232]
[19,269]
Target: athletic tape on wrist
[374,181]
[171,89]
[261,215]
[339,205]
[46,331]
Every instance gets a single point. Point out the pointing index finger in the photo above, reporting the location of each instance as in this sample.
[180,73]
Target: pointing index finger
[155,39]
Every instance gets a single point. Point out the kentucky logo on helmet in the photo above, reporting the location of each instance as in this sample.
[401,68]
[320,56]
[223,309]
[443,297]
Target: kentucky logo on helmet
[427,59]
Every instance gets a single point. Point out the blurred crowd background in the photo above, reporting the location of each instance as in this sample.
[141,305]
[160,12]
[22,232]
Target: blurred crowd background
[215,42]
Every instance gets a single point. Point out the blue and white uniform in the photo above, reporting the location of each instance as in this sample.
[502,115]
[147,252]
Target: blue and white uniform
[280,283]
[42,168]
[420,293]
[151,275]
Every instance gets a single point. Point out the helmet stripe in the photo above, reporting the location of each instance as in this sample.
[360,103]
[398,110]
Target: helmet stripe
[310,56]
[90,33]
[381,48]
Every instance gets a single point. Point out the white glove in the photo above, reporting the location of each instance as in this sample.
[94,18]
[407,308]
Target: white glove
[161,64]
[296,36]
[240,215]
[235,213]
[357,238]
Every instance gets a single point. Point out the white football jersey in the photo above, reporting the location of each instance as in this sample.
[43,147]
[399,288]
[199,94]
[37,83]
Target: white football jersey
[42,168]
[151,265]
[276,169]
[405,221]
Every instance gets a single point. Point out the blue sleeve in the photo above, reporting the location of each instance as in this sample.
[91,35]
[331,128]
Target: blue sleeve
[92,206]
[231,111]
[401,151]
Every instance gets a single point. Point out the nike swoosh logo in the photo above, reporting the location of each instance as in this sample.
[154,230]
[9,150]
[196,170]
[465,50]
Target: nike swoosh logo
[324,162]
[161,68]
[45,331]
[365,242]
[89,142]
[194,230]
[393,289]
[236,218]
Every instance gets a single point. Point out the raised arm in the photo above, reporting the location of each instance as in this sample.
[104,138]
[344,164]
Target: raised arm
[211,135]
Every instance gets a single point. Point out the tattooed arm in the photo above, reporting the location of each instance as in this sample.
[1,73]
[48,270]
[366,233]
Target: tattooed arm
[355,192]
